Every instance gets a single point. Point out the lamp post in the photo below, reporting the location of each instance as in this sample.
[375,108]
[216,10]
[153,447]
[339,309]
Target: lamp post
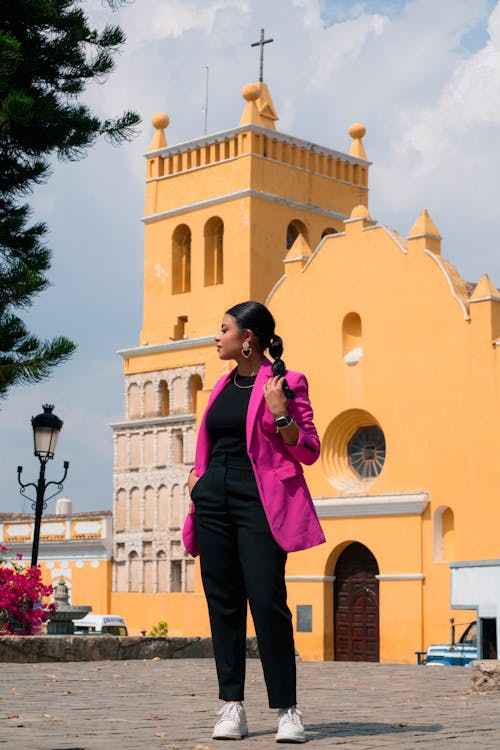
[46,429]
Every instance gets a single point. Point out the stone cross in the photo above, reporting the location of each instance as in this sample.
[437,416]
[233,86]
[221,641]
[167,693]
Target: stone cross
[260,44]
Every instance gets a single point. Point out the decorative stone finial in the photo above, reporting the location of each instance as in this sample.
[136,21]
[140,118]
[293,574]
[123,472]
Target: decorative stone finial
[160,121]
[424,234]
[360,212]
[259,108]
[251,91]
[485,290]
[357,132]
[424,225]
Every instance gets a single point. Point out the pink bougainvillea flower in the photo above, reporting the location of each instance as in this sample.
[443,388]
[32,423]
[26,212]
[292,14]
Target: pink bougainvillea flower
[22,591]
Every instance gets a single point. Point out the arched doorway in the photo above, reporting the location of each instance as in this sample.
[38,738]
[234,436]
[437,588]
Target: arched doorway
[356,605]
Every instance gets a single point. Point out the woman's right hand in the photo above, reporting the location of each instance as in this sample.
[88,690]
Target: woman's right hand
[192,479]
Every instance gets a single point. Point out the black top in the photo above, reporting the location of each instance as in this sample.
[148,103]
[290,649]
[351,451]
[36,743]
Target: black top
[226,420]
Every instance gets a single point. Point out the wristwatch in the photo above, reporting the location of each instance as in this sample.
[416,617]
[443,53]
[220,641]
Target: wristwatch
[281,422]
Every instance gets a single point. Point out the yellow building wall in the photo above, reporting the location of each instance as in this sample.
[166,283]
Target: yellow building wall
[428,377]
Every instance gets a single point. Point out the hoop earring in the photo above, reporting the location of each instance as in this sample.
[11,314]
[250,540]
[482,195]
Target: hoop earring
[246,351]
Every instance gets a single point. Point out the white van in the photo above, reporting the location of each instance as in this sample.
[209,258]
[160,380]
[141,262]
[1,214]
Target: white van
[100,625]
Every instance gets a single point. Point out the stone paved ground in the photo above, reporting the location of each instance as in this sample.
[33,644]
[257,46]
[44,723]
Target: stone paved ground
[153,705]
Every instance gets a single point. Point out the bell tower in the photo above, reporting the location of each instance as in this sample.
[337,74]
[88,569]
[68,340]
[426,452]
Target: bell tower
[222,212]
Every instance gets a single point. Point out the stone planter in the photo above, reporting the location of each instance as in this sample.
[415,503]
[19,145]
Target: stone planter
[53,648]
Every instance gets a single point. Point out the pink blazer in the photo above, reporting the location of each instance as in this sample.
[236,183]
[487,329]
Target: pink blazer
[277,467]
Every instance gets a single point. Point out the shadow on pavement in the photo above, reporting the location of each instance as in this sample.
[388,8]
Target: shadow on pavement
[357,729]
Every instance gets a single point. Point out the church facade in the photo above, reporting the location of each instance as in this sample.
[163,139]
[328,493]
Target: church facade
[400,354]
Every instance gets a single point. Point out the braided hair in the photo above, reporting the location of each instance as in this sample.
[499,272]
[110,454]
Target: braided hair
[257,318]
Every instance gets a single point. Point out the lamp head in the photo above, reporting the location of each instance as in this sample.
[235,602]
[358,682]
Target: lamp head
[46,429]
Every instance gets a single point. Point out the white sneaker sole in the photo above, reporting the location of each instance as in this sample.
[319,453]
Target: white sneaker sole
[230,735]
[295,740]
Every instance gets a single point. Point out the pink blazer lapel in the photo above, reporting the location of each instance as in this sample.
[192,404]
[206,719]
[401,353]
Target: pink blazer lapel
[265,372]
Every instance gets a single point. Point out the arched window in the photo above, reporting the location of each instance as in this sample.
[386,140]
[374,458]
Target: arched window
[120,569]
[149,448]
[327,231]
[121,510]
[181,259]
[177,395]
[195,385]
[351,338]
[149,400]
[177,447]
[165,399]
[162,507]
[214,254]
[134,402]
[444,534]
[189,444]
[121,451]
[176,514]
[148,569]
[161,572]
[149,508]
[133,572]
[295,228]
[162,448]
[135,450]
[175,566]
[135,510]
[448,535]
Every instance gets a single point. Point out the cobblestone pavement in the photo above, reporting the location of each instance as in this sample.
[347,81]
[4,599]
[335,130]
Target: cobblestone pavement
[150,705]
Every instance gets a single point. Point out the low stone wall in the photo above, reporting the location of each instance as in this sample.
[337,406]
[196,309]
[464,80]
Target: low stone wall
[52,648]
[486,675]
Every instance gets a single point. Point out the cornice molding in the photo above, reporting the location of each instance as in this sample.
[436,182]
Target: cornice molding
[400,577]
[172,346]
[483,299]
[475,564]
[137,424]
[238,195]
[78,549]
[274,135]
[407,504]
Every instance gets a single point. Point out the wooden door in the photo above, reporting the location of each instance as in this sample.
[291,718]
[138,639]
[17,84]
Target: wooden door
[356,605]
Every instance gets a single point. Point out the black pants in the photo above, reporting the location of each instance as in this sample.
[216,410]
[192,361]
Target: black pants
[240,561]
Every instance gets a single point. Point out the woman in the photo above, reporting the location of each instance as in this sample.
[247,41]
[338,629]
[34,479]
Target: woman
[252,506]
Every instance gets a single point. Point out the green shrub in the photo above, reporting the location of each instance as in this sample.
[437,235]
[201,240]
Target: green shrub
[159,630]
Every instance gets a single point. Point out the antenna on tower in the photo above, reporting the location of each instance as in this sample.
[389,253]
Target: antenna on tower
[205,108]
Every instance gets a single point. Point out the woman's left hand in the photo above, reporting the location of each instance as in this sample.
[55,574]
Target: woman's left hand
[275,397]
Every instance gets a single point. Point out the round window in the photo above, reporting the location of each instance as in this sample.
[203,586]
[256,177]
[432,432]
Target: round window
[353,451]
[366,452]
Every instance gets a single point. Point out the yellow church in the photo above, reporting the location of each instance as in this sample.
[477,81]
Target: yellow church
[400,354]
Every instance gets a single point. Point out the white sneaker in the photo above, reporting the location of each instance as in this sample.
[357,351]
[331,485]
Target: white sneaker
[290,726]
[233,723]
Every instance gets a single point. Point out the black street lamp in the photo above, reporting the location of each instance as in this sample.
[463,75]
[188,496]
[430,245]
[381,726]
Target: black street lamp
[46,429]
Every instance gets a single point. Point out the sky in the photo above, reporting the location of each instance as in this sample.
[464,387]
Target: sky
[422,76]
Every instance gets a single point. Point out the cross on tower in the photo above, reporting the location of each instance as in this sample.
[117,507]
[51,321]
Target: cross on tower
[260,44]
